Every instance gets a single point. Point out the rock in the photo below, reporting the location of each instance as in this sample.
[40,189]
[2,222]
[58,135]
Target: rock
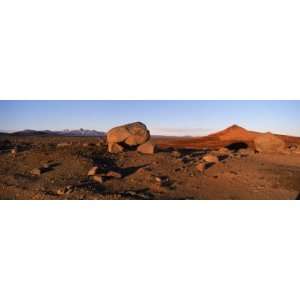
[63,145]
[132,134]
[36,172]
[45,167]
[295,149]
[115,148]
[113,174]
[223,151]
[176,154]
[246,152]
[210,158]
[13,151]
[93,171]
[200,167]
[147,148]
[98,178]
[66,190]
[269,143]
[162,180]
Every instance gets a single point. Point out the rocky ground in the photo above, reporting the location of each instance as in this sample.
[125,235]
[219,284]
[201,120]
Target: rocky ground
[58,168]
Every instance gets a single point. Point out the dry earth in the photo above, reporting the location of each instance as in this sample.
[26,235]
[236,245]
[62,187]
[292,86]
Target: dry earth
[168,174]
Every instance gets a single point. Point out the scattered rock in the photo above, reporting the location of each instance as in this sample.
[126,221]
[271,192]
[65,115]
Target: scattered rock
[295,149]
[224,151]
[176,154]
[98,178]
[269,143]
[93,171]
[113,174]
[210,158]
[63,145]
[200,167]
[147,148]
[143,171]
[66,190]
[162,180]
[45,167]
[246,152]
[36,172]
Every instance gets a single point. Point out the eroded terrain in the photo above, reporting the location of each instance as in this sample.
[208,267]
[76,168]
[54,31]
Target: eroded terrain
[57,168]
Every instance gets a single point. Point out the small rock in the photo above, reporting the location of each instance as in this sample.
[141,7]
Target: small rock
[46,166]
[63,145]
[93,171]
[163,180]
[224,150]
[113,174]
[246,152]
[98,178]
[147,148]
[100,143]
[200,167]
[13,151]
[176,154]
[36,172]
[186,159]
[61,191]
[158,179]
[66,190]
[210,158]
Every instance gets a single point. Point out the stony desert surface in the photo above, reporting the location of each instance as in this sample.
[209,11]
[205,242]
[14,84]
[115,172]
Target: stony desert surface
[222,166]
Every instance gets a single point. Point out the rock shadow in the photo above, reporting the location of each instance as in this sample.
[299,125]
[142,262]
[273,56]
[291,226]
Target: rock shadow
[165,149]
[223,157]
[51,167]
[141,194]
[209,165]
[237,146]
[109,164]
[130,170]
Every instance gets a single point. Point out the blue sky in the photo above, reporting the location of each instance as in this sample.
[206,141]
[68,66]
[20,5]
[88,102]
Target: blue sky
[162,117]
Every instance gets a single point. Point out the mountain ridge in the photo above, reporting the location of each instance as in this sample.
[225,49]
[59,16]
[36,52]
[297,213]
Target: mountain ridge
[65,132]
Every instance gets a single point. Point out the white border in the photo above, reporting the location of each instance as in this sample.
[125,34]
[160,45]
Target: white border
[161,49]
[149,250]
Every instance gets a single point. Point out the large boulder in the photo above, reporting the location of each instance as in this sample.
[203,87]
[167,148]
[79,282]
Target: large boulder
[133,134]
[269,143]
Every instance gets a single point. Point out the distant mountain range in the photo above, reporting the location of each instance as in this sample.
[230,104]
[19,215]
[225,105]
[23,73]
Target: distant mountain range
[66,132]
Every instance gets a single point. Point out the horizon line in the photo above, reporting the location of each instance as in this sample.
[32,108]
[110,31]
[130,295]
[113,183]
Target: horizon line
[209,132]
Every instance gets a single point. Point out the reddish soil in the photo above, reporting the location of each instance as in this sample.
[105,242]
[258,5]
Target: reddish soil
[241,174]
